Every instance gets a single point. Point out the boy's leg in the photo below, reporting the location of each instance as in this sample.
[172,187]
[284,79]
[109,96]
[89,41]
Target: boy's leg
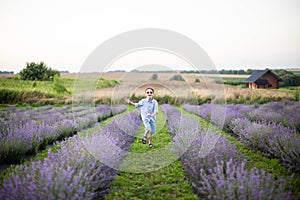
[152,132]
[144,139]
[147,131]
[150,138]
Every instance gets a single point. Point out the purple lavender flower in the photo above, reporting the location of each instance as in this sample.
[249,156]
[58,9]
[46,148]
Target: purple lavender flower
[271,140]
[221,174]
[27,131]
[72,172]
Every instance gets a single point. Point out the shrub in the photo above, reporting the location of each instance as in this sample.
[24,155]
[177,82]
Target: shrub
[58,86]
[34,84]
[177,77]
[38,71]
[154,77]
[104,83]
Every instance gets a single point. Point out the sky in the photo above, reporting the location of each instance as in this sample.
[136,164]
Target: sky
[235,34]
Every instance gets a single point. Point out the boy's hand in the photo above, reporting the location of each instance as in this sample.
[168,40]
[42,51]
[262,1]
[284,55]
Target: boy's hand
[127,100]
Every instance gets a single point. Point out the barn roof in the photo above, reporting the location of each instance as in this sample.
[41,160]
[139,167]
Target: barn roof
[262,82]
[256,75]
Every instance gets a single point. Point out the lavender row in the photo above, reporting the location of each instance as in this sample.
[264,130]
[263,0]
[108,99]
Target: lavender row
[28,131]
[261,129]
[18,115]
[286,113]
[8,113]
[218,170]
[83,167]
[271,140]
[24,132]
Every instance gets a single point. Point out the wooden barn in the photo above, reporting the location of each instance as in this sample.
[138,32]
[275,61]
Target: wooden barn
[263,79]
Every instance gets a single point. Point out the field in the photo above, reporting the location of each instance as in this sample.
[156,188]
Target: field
[187,91]
[114,86]
[295,71]
[84,143]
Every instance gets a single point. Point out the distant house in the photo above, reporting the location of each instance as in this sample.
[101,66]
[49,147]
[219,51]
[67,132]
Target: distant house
[263,79]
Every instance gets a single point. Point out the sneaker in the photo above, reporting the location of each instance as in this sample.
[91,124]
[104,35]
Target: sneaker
[144,140]
[151,145]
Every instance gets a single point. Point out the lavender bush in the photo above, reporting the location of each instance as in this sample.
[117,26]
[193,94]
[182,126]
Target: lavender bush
[221,173]
[228,112]
[286,113]
[231,180]
[73,172]
[272,140]
[26,131]
[271,129]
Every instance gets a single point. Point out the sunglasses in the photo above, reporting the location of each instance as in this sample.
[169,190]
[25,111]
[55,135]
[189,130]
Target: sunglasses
[149,92]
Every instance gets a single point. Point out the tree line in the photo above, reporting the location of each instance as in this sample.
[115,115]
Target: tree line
[41,72]
[6,72]
[288,77]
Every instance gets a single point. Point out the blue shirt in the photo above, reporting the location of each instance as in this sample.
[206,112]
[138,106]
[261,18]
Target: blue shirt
[147,107]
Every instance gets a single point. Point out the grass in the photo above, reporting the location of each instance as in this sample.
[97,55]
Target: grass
[15,90]
[255,159]
[157,182]
[21,91]
[230,81]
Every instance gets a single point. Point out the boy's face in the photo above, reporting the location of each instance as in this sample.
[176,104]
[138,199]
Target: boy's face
[149,94]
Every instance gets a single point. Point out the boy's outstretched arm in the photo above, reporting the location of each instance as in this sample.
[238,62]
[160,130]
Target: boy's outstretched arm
[129,101]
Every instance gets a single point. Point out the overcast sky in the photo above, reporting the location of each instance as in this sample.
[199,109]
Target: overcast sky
[235,34]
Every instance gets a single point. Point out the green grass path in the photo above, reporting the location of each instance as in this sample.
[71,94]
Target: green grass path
[162,178]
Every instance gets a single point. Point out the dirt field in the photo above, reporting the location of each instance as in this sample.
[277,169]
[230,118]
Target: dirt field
[136,83]
[133,83]
[6,75]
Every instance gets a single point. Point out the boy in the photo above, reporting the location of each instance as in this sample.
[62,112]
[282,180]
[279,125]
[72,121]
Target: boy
[149,110]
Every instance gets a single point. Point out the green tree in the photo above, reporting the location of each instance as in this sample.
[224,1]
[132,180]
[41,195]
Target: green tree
[250,71]
[241,72]
[289,78]
[51,73]
[177,77]
[38,72]
[154,77]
